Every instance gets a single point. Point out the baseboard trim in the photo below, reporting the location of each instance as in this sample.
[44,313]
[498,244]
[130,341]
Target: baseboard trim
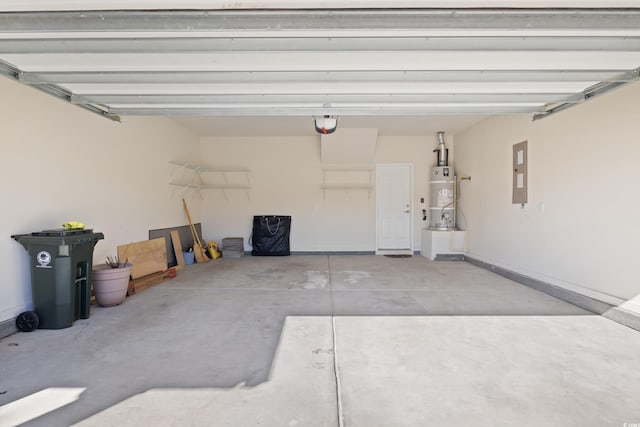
[450,257]
[619,315]
[393,252]
[332,253]
[582,301]
[624,317]
[8,327]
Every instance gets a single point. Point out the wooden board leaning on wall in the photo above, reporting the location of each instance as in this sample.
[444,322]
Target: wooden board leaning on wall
[147,257]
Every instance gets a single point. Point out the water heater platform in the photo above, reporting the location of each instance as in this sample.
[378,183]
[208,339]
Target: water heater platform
[442,242]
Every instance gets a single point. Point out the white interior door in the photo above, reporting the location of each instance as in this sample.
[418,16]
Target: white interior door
[394,219]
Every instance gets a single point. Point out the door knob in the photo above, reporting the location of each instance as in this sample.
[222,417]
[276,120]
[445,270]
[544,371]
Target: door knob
[407,211]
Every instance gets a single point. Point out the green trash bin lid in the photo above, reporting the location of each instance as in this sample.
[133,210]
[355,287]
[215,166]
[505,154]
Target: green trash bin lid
[61,232]
[59,237]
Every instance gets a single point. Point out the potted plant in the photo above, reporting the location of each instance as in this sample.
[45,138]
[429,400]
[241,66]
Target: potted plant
[110,281]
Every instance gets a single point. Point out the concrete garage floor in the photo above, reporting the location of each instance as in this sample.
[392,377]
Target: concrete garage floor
[326,341]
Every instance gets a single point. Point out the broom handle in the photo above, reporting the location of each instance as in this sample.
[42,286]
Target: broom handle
[196,239]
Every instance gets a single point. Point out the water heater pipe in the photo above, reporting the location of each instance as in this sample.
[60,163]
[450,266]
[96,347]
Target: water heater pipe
[442,154]
[455,201]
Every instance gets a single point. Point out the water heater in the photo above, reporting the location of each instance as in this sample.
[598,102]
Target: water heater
[442,209]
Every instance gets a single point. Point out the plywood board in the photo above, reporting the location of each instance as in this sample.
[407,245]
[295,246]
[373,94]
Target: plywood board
[147,263]
[177,247]
[186,239]
[148,256]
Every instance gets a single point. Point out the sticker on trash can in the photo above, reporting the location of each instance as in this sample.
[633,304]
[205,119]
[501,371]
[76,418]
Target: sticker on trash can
[44,259]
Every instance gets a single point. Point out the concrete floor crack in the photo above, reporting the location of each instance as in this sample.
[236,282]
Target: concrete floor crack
[336,370]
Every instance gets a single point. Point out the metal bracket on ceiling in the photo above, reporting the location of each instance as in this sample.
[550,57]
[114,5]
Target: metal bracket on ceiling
[587,94]
[55,90]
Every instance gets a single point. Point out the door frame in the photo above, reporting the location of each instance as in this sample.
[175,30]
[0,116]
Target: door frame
[410,250]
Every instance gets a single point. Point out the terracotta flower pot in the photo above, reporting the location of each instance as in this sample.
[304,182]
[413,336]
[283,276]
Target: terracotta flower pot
[110,284]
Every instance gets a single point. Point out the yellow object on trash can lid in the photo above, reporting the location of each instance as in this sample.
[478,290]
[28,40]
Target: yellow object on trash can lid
[73,225]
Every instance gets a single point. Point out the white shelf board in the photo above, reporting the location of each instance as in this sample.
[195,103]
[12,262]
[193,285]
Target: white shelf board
[209,168]
[347,186]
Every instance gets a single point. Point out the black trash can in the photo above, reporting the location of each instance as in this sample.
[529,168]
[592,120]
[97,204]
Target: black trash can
[61,263]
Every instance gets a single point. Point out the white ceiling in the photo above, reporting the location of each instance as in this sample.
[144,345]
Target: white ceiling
[410,68]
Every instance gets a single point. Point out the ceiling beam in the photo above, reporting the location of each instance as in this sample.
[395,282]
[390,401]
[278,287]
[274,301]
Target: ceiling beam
[362,110]
[391,42]
[48,5]
[452,75]
[257,61]
[323,88]
[320,100]
[322,20]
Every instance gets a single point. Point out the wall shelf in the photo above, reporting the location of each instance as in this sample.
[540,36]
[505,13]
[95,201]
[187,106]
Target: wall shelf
[347,178]
[191,177]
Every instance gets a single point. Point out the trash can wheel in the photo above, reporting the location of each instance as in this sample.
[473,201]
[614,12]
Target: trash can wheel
[27,321]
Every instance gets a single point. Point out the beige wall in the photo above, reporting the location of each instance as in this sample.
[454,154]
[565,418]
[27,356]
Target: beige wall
[580,228]
[286,177]
[62,163]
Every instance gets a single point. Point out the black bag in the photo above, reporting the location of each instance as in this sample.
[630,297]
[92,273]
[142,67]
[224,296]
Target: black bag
[270,236]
